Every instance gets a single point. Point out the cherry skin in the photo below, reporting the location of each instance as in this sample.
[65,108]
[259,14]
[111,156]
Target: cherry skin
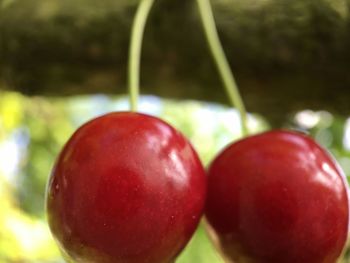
[278,197]
[126,188]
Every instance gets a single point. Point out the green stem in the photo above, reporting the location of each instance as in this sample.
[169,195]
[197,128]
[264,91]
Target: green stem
[137,32]
[222,64]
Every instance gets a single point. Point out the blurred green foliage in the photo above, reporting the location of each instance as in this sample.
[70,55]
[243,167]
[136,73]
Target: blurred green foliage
[33,130]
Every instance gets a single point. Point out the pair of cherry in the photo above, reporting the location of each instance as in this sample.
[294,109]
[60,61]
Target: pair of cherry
[129,188]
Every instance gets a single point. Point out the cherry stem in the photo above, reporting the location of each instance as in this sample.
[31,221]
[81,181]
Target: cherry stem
[136,40]
[221,62]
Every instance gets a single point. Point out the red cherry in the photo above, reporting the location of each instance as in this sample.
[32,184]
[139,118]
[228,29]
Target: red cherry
[127,188]
[278,197]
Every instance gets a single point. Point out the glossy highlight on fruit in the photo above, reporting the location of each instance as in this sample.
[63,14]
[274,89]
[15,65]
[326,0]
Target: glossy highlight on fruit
[278,197]
[127,188]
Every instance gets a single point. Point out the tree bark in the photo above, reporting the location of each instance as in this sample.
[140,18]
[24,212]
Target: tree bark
[286,55]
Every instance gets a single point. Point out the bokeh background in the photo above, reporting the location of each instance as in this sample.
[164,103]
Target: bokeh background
[63,62]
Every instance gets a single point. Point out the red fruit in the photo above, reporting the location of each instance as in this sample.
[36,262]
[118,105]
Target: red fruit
[127,188]
[278,197]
